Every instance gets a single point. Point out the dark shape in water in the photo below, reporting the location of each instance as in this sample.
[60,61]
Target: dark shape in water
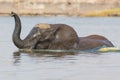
[56,37]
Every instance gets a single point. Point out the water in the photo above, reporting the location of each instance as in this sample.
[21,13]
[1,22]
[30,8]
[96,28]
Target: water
[84,66]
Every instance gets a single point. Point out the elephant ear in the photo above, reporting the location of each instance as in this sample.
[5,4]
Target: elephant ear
[49,34]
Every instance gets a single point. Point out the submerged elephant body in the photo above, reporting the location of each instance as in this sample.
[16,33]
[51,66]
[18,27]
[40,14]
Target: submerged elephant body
[55,36]
[93,41]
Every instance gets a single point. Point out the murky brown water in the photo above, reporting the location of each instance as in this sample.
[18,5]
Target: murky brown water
[83,66]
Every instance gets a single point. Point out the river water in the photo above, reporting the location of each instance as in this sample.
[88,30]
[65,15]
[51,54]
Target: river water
[83,66]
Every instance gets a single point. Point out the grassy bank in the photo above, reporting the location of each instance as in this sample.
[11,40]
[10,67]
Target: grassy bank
[104,13]
[61,7]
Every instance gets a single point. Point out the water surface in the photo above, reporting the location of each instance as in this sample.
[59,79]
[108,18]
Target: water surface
[83,66]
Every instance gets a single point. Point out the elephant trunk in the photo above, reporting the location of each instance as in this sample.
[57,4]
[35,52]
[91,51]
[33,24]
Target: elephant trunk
[16,34]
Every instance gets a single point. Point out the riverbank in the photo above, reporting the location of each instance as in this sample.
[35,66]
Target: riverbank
[61,8]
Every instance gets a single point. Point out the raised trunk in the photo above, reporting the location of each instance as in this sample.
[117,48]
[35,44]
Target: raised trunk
[16,34]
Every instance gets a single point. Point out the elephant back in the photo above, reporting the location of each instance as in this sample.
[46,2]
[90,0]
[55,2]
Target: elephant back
[65,37]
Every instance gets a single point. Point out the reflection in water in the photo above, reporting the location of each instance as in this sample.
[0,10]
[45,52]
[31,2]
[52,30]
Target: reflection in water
[47,54]
[17,55]
[40,54]
[53,66]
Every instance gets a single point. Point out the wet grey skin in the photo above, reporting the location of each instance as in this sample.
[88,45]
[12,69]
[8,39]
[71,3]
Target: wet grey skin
[29,41]
[45,36]
[55,36]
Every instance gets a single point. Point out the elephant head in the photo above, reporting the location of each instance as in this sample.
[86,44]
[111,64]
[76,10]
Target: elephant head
[45,36]
[39,35]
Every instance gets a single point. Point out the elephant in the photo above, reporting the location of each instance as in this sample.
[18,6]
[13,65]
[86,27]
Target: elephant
[55,36]
[44,36]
